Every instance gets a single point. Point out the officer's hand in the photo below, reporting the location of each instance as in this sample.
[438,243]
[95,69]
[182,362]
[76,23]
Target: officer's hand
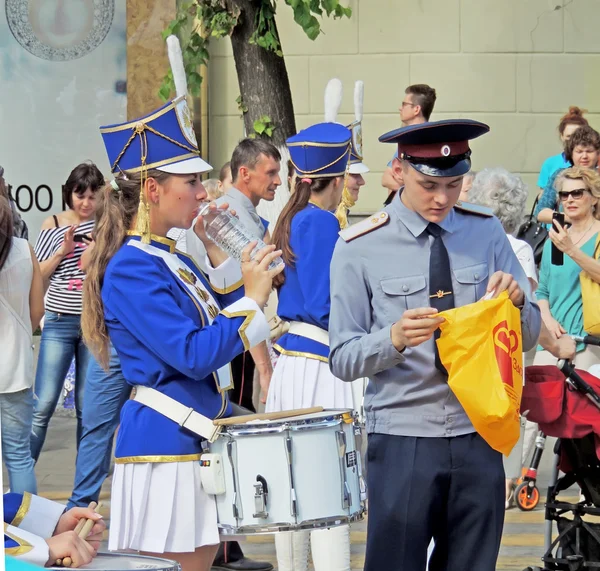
[415,327]
[501,281]
[69,544]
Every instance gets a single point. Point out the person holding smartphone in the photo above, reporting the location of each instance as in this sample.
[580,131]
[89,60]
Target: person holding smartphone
[59,247]
[559,289]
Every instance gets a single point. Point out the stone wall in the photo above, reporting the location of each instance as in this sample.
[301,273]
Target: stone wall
[514,64]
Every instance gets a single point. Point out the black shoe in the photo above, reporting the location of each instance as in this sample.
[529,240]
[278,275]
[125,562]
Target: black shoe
[243,564]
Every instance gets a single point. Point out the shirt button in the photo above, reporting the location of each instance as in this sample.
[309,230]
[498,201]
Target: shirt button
[476,276]
[404,288]
[450,420]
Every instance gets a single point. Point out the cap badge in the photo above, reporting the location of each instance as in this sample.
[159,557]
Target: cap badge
[446,150]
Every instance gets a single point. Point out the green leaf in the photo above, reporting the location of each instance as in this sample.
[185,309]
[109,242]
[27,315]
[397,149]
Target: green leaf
[164,92]
[259,127]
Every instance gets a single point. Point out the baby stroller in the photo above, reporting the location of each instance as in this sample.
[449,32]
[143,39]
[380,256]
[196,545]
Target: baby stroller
[570,411]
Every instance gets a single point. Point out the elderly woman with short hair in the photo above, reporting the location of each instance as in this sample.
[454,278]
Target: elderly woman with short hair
[506,195]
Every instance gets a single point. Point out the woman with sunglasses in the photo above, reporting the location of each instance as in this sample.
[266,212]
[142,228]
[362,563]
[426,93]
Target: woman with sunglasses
[559,290]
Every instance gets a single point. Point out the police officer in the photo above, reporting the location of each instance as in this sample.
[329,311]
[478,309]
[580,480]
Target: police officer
[430,475]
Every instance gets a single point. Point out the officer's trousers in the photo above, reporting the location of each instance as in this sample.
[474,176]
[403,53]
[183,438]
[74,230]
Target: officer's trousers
[448,489]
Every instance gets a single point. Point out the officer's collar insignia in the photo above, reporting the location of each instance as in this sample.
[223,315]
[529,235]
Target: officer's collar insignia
[365,226]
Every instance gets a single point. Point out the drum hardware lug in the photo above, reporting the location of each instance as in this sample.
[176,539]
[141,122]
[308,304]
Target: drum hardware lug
[341,442]
[289,456]
[261,496]
[362,485]
[237,511]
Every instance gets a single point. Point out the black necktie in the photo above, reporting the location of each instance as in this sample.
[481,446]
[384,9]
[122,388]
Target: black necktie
[440,281]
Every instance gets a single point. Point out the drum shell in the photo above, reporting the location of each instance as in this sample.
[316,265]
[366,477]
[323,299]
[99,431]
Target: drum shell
[260,450]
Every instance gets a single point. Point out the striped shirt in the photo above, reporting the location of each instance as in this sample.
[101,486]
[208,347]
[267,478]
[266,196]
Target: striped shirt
[66,283]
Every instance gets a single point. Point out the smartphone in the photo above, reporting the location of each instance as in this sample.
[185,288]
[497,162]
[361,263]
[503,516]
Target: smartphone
[557,256]
[82,238]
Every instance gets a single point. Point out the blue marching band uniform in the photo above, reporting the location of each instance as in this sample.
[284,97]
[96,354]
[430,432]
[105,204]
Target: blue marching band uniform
[176,328]
[28,521]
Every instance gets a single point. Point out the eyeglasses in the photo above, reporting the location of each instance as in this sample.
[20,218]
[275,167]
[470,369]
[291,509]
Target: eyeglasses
[577,194]
[408,103]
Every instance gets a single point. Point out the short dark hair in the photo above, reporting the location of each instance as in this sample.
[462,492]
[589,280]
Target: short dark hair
[425,97]
[585,136]
[224,169]
[83,176]
[247,153]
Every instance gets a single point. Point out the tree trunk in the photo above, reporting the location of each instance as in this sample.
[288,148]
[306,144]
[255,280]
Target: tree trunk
[262,76]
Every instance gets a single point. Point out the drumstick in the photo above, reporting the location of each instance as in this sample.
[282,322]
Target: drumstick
[79,528]
[88,525]
[266,416]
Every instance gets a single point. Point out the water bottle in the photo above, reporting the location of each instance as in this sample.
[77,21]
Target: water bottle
[227,232]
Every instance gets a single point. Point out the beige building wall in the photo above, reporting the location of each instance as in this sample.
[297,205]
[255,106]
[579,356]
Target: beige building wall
[514,64]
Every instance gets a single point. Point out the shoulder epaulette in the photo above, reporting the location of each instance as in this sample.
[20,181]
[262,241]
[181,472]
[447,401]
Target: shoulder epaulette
[476,209]
[363,227]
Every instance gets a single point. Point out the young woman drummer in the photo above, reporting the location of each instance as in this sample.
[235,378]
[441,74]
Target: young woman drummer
[175,332]
[306,233]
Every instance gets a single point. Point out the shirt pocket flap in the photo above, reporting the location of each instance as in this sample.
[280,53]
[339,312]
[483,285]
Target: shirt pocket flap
[403,286]
[471,274]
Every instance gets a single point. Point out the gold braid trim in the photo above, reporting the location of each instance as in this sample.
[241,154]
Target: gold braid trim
[347,202]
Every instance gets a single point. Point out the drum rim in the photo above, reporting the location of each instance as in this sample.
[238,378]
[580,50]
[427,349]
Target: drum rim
[334,521]
[173,565]
[331,417]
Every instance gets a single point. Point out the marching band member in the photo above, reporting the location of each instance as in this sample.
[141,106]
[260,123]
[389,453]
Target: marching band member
[39,531]
[306,233]
[174,329]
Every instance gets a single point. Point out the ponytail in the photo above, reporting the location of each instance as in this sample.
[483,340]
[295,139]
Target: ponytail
[283,229]
[117,208]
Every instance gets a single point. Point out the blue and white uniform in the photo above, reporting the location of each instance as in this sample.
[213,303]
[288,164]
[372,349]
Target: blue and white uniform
[302,377]
[28,521]
[179,344]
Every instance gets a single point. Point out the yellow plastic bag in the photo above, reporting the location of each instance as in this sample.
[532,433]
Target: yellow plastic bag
[481,347]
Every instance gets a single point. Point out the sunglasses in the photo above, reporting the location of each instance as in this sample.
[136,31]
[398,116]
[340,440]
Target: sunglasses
[576,194]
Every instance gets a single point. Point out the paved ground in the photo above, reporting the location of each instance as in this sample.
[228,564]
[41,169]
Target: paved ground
[522,542]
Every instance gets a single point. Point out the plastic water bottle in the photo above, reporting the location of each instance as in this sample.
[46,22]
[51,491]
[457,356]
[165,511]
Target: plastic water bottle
[227,232]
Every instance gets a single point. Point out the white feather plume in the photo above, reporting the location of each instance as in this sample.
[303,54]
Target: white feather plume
[333,99]
[176,61]
[359,95]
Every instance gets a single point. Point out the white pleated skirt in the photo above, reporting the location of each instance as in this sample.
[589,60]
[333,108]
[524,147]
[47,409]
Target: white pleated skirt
[299,382]
[161,508]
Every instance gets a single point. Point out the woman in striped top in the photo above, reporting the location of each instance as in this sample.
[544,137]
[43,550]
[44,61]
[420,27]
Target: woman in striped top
[62,241]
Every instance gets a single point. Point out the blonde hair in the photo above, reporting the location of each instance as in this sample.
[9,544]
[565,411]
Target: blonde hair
[590,179]
[115,215]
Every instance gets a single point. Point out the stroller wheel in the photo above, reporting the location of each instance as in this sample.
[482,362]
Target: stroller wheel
[527,497]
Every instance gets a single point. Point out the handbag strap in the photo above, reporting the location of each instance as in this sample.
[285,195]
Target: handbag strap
[535,202]
[596,248]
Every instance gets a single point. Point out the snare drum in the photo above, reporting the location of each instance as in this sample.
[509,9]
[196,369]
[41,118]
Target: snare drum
[128,562]
[289,474]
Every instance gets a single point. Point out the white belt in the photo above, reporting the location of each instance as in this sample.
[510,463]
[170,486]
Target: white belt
[310,332]
[184,416]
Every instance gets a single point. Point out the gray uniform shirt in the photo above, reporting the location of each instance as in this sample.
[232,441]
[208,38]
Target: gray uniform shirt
[375,278]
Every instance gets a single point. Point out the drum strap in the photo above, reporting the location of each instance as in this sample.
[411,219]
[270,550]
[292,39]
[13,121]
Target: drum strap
[184,416]
[310,332]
